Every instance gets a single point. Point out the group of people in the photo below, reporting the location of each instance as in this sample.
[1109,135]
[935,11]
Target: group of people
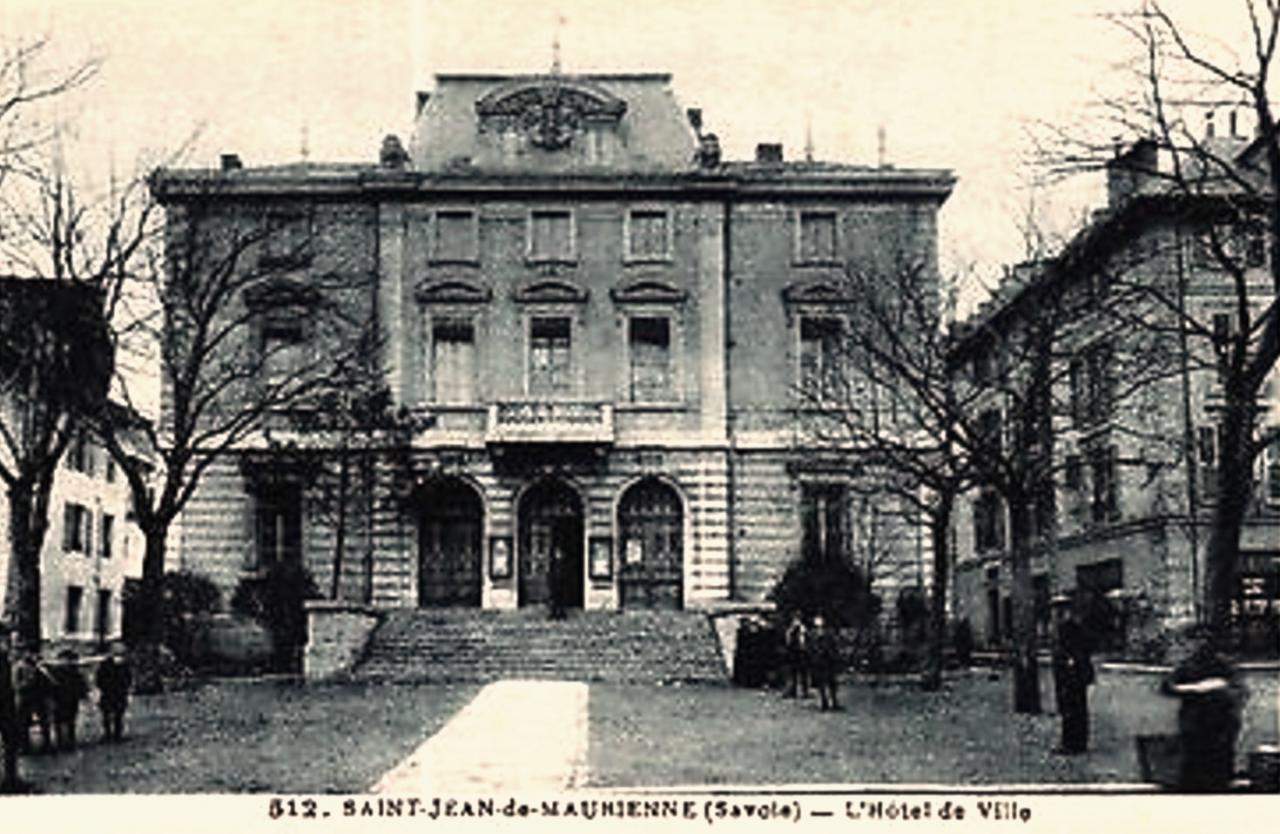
[47,696]
[813,657]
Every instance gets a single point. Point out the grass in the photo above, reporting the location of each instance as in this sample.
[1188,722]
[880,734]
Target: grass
[888,734]
[262,736]
[243,736]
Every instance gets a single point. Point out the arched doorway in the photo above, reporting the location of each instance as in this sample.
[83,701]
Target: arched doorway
[450,525]
[551,527]
[651,530]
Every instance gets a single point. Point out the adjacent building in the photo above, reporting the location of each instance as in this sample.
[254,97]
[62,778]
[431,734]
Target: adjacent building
[606,328]
[91,547]
[1134,304]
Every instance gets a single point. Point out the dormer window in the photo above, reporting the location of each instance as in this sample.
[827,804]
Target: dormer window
[648,235]
[817,237]
[551,236]
[455,236]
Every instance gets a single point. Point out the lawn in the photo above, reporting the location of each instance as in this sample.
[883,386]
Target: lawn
[889,734]
[242,736]
[263,736]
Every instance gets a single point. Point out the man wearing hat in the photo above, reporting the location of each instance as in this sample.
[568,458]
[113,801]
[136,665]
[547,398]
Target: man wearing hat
[9,782]
[1072,675]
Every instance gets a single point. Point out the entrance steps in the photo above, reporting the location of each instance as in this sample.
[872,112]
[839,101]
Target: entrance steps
[468,645]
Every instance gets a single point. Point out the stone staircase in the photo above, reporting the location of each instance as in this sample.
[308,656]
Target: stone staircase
[447,645]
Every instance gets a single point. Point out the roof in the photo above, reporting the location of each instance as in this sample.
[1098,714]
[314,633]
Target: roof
[552,123]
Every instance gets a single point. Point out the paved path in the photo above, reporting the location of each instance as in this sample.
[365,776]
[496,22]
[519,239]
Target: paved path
[516,735]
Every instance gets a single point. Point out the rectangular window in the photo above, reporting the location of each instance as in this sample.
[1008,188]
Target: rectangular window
[649,340]
[1273,472]
[1076,380]
[820,343]
[817,240]
[991,433]
[284,351]
[1102,464]
[107,533]
[988,521]
[1100,394]
[278,519]
[76,528]
[455,238]
[550,368]
[80,454]
[823,509]
[1075,472]
[286,237]
[71,622]
[111,470]
[648,235]
[102,625]
[551,235]
[1207,456]
[453,360]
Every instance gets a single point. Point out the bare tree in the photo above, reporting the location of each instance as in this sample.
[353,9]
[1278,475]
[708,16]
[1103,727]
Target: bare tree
[882,386]
[245,331]
[1219,191]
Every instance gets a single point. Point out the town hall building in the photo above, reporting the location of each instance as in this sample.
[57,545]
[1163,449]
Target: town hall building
[608,332]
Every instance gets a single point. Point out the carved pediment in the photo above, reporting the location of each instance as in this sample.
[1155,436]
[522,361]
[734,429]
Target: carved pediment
[280,292]
[550,292]
[641,292]
[550,110]
[815,292]
[452,292]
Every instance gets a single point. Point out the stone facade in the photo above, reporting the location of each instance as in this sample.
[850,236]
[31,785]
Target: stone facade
[603,324]
[1134,428]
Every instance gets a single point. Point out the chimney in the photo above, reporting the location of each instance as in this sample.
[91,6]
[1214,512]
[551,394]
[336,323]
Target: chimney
[708,150]
[695,119]
[1129,170]
[769,153]
[392,155]
[231,162]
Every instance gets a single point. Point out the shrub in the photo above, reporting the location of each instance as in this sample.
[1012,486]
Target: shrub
[275,599]
[189,598]
[835,589]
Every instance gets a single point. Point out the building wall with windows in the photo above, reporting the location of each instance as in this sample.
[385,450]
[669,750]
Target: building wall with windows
[91,548]
[1133,478]
[604,325]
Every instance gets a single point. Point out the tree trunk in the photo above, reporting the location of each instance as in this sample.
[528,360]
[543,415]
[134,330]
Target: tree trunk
[1235,491]
[25,541]
[340,533]
[940,528]
[1026,666]
[151,609]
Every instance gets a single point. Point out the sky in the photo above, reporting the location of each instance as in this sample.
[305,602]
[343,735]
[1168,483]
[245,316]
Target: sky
[954,84]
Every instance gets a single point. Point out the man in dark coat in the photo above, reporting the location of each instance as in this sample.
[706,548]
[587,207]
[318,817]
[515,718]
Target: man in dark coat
[9,738]
[1211,696]
[33,687]
[1072,675]
[69,690]
[555,581]
[114,677]
[796,639]
[824,664]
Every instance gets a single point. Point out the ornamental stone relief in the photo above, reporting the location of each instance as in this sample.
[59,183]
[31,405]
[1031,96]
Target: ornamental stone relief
[550,114]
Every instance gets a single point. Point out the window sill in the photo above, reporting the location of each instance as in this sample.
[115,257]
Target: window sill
[648,260]
[471,261]
[551,260]
[826,262]
[634,407]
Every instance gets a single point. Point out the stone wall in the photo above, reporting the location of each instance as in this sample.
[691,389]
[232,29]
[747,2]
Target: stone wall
[336,636]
